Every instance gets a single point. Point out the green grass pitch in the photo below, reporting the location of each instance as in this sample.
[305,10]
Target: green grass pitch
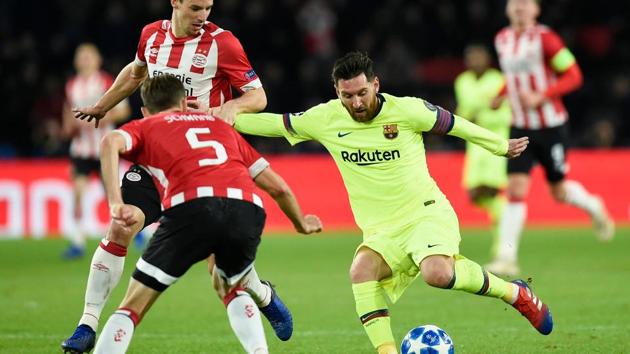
[585,283]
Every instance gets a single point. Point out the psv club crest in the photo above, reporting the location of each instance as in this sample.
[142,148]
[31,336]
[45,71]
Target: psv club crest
[390,131]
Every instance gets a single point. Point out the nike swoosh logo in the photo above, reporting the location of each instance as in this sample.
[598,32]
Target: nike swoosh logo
[341,135]
[430,246]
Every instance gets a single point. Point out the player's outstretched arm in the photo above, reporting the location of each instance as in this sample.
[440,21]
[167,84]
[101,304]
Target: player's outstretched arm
[260,124]
[488,140]
[251,101]
[127,81]
[279,190]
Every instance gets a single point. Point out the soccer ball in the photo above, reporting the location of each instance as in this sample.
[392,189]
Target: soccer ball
[427,339]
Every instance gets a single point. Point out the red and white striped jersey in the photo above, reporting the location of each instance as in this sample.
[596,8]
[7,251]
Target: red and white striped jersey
[83,92]
[193,155]
[525,58]
[208,64]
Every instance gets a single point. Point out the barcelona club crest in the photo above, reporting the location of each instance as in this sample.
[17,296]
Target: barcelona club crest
[390,131]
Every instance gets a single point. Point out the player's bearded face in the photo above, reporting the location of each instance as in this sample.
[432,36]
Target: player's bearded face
[358,96]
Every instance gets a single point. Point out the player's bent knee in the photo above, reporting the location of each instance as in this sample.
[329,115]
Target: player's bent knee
[368,266]
[437,271]
[123,236]
[438,278]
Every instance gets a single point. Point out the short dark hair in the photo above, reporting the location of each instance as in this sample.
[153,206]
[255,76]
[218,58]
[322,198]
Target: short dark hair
[162,92]
[352,65]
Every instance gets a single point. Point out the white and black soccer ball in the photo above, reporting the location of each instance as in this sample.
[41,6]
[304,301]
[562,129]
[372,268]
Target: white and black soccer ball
[427,339]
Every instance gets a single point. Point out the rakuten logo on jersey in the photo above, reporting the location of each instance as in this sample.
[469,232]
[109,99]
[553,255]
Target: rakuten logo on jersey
[366,158]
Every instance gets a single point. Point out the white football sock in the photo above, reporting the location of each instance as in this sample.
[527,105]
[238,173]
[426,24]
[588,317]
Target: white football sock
[578,196]
[105,272]
[244,318]
[116,334]
[77,235]
[510,230]
[260,292]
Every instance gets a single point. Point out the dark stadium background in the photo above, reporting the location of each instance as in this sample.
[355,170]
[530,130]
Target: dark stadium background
[416,46]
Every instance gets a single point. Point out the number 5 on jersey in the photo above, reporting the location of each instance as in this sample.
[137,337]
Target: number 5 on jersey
[192,135]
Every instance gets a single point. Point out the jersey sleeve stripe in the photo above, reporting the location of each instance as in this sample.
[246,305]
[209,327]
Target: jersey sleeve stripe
[257,167]
[127,137]
[286,119]
[443,123]
[139,61]
[252,85]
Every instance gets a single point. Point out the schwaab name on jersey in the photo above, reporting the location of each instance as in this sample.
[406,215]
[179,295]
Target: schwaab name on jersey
[366,158]
[188,118]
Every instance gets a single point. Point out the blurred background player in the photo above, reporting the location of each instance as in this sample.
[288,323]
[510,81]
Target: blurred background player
[539,70]
[210,207]
[84,89]
[484,173]
[210,62]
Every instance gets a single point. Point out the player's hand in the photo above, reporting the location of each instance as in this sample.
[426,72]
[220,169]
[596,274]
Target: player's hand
[89,113]
[311,224]
[195,105]
[123,215]
[516,147]
[226,112]
[531,99]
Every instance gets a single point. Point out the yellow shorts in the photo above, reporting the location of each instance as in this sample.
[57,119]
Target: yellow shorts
[404,247]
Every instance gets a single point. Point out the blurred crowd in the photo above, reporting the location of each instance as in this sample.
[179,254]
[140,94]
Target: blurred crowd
[416,45]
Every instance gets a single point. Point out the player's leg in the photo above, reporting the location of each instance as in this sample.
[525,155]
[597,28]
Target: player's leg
[459,273]
[109,258]
[235,255]
[119,328]
[572,192]
[242,313]
[260,291]
[514,215]
[80,171]
[366,272]
[511,226]
[267,301]
[105,272]
[490,199]
[185,236]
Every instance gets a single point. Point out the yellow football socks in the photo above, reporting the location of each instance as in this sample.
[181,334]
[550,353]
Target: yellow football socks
[387,348]
[472,278]
[373,312]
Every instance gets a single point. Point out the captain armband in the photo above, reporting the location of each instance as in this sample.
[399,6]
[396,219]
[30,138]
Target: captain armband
[444,122]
